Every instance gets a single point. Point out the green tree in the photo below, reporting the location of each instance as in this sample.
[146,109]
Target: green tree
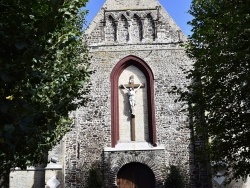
[219,94]
[43,69]
[94,179]
[174,178]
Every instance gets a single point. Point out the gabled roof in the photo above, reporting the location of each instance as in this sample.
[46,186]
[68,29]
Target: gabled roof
[126,5]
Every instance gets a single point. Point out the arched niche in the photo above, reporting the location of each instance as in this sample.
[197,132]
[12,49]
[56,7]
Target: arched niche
[149,28]
[111,30]
[137,28]
[143,67]
[123,31]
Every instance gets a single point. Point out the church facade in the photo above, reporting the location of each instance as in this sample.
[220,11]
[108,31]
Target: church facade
[131,129]
[131,143]
[131,126]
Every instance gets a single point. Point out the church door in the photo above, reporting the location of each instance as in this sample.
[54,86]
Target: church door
[135,175]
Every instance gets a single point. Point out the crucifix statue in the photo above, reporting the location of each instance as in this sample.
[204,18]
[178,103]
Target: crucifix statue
[132,88]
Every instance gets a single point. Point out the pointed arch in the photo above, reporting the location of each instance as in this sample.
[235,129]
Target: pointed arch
[111,29]
[137,28]
[123,35]
[149,25]
[114,77]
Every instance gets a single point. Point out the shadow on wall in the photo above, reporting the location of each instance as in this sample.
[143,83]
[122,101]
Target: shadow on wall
[39,178]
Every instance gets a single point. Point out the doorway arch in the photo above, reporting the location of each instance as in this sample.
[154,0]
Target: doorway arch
[135,175]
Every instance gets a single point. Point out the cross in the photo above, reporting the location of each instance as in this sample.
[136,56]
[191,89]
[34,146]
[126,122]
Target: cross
[131,87]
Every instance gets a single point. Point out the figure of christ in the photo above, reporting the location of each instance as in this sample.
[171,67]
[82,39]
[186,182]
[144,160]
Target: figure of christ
[131,97]
[132,88]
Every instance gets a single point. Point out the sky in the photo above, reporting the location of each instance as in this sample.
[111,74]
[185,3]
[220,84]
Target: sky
[176,8]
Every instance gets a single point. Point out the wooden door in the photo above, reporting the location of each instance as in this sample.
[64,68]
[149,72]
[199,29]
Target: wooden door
[135,175]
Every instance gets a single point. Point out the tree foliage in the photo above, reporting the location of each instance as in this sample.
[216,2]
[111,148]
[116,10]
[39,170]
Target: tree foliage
[219,94]
[94,179]
[174,178]
[43,67]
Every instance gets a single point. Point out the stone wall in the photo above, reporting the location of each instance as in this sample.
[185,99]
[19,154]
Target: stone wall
[31,178]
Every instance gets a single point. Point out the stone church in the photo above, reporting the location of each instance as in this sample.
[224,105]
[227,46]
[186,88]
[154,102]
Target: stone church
[131,129]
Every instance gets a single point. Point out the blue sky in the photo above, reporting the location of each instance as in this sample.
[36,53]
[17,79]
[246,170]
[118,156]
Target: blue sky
[176,8]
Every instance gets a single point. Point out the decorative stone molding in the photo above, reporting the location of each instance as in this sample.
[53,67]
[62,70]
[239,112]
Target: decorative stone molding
[114,161]
[135,19]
